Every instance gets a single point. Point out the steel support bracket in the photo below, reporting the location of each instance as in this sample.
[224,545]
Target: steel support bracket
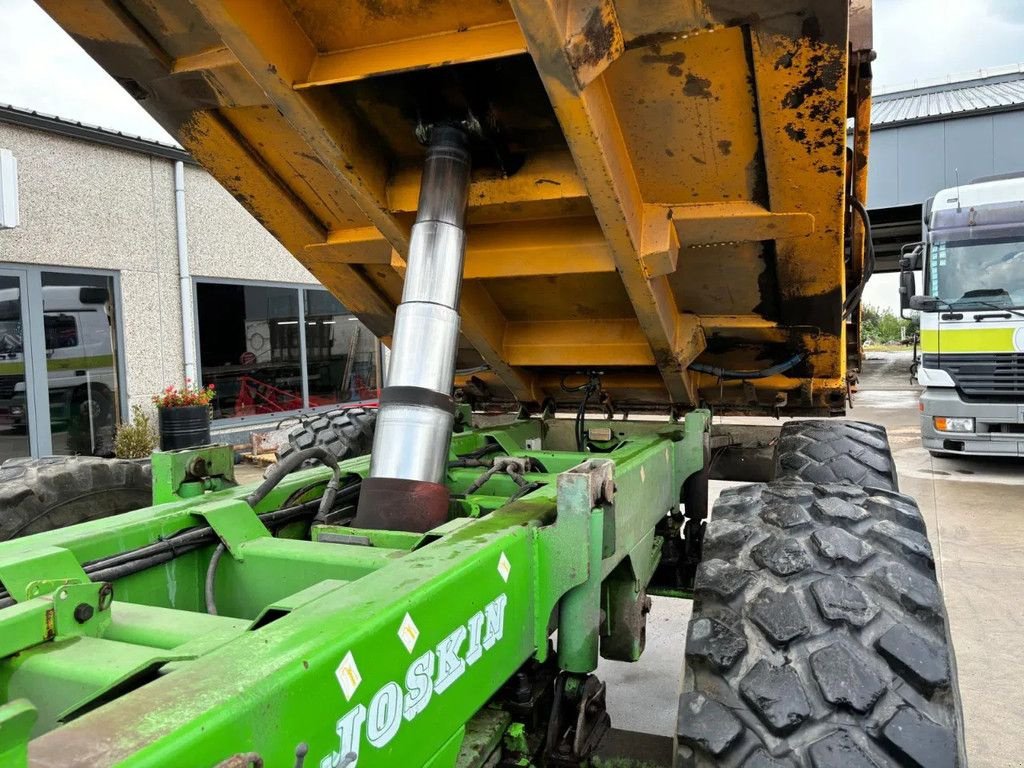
[234,522]
[191,472]
[20,573]
[582,491]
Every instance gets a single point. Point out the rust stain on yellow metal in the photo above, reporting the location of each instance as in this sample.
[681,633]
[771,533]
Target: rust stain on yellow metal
[663,182]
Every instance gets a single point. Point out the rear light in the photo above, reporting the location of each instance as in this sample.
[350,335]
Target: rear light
[953,423]
[920,405]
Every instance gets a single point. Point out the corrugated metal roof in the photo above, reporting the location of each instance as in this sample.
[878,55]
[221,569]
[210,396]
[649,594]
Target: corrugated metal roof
[987,94]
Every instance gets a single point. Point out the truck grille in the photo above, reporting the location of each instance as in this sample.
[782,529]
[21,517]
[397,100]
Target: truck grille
[982,375]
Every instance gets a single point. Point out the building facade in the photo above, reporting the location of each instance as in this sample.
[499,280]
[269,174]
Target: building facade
[931,138]
[93,282]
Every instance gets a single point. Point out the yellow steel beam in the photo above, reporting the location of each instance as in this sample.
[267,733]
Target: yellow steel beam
[556,247]
[659,243]
[738,221]
[689,339]
[486,333]
[801,92]
[577,343]
[490,41]
[591,129]
[544,177]
[360,245]
[743,322]
[262,31]
[214,58]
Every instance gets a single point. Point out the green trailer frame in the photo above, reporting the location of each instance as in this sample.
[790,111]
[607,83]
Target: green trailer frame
[329,641]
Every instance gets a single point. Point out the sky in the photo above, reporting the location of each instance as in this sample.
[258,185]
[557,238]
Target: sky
[42,69]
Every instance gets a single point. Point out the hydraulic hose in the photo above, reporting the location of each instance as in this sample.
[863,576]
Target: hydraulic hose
[289,464]
[869,263]
[211,579]
[725,373]
[126,564]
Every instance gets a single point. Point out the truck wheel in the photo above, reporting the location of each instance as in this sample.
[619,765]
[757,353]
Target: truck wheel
[346,433]
[830,451]
[818,636]
[43,494]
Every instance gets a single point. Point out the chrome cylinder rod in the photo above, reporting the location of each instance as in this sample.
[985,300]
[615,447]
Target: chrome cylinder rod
[405,489]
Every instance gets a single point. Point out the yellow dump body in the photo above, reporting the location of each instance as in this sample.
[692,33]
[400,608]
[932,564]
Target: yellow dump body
[661,183]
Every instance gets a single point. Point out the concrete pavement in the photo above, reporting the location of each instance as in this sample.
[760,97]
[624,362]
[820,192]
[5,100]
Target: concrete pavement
[974,509]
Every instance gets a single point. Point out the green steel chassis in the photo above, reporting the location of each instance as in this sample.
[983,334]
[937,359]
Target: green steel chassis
[329,642]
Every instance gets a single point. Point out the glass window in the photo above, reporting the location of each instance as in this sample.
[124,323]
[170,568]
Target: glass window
[81,362]
[249,348]
[978,273]
[250,345]
[13,407]
[341,353]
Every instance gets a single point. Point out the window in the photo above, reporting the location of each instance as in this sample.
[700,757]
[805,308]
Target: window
[341,354]
[272,350]
[81,362]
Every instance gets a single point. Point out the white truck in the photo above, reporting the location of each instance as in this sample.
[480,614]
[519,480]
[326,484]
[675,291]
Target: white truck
[972,318]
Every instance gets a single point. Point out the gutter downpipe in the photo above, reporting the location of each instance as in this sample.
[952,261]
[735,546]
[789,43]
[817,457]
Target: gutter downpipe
[184,275]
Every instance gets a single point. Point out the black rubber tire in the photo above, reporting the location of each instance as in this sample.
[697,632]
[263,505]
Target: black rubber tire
[53,492]
[835,451]
[346,433]
[818,636]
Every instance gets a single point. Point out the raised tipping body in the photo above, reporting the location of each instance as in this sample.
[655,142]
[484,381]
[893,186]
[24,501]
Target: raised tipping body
[662,191]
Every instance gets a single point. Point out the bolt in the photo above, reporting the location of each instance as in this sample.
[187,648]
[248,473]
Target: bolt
[63,594]
[83,612]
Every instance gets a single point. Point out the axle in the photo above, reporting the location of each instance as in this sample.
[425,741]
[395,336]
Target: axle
[405,490]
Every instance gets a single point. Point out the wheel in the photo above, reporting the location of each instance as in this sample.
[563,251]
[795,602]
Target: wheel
[43,494]
[346,433]
[834,451]
[818,636]
[91,422]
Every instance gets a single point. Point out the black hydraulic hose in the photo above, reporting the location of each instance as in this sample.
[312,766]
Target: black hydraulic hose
[125,564]
[869,264]
[764,373]
[211,579]
[289,464]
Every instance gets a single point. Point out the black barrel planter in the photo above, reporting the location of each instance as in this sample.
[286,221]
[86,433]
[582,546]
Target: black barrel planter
[184,427]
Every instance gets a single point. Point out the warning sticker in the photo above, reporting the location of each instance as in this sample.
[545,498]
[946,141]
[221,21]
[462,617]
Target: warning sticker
[408,633]
[348,675]
[504,567]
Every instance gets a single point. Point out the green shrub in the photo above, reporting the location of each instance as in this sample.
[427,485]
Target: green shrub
[137,439]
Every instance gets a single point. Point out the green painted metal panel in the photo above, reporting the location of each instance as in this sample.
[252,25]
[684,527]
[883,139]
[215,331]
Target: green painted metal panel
[385,643]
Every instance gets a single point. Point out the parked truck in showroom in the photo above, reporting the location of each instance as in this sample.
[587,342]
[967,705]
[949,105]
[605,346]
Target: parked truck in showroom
[617,220]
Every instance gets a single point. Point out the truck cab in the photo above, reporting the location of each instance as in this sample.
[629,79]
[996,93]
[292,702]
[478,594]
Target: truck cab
[972,318]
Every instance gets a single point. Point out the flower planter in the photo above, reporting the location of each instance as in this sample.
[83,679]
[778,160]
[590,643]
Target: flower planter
[184,427]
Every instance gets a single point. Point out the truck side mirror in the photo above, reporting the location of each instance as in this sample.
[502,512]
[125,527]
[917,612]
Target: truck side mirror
[908,287]
[922,303]
[912,256]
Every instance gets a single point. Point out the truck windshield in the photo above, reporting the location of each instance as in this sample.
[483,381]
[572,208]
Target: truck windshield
[965,273]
